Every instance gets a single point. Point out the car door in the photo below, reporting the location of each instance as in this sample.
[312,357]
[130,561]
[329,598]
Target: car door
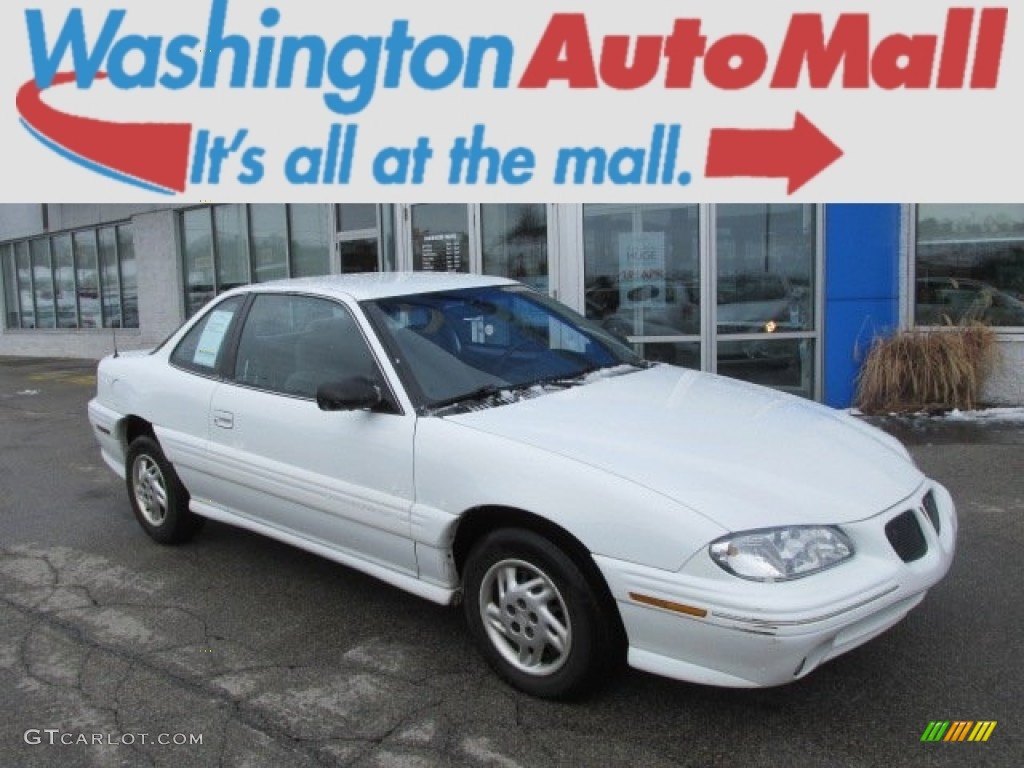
[178,393]
[338,479]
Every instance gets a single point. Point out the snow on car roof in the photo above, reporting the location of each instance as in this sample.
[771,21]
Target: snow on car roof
[378,285]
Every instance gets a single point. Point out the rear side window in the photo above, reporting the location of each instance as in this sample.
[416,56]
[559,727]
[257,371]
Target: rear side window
[203,347]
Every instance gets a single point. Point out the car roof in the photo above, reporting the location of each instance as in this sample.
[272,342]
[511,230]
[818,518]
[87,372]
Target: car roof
[376,285]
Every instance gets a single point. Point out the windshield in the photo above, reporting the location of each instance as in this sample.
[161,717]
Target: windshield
[456,345]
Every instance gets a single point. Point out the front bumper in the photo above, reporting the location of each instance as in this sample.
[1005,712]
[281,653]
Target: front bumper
[702,625]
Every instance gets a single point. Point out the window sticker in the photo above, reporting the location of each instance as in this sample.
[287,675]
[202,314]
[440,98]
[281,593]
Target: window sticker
[212,338]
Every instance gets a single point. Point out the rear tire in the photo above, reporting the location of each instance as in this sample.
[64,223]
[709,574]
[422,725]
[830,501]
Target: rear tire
[535,617]
[158,498]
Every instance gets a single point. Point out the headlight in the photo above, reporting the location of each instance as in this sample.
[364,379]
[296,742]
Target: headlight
[781,554]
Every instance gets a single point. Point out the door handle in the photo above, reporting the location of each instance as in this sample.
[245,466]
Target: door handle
[223,419]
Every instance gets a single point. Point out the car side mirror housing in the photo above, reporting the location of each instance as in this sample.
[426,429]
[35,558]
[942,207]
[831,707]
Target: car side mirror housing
[355,394]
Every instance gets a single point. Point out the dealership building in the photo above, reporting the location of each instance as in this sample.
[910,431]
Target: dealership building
[786,295]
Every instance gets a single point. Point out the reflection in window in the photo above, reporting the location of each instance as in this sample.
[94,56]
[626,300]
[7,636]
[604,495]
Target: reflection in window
[515,243]
[642,275]
[361,237]
[685,354]
[88,289]
[129,280]
[110,278]
[26,290]
[970,264]
[231,246]
[64,264]
[235,244]
[42,278]
[353,217]
[781,363]
[80,280]
[766,266]
[10,279]
[766,261]
[197,239]
[269,234]
[311,254]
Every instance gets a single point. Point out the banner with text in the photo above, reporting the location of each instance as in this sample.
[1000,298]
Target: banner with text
[396,101]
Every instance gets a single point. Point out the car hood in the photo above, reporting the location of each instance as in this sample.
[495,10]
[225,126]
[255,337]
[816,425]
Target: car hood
[741,455]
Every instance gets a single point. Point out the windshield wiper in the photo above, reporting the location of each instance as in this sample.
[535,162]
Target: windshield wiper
[480,393]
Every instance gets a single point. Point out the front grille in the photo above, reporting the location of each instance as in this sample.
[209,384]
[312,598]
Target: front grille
[932,510]
[905,535]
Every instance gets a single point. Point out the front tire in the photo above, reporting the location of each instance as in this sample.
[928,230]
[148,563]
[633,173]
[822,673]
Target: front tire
[534,615]
[158,498]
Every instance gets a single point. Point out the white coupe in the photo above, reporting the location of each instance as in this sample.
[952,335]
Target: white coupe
[470,440]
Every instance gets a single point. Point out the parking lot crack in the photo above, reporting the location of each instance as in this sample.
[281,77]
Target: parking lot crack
[62,624]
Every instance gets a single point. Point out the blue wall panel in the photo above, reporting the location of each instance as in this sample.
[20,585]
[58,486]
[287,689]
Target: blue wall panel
[862,253]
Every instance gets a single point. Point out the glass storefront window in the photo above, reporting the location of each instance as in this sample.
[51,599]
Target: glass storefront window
[685,354]
[110,279]
[358,255]
[88,280]
[515,243]
[10,278]
[269,235]
[129,281]
[642,277]
[70,280]
[388,252]
[42,279]
[26,291]
[970,264]
[353,217]
[311,253]
[64,264]
[231,246]
[440,237]
[642,269]
[197,241]
[226,246]
[766,266]
[781,363]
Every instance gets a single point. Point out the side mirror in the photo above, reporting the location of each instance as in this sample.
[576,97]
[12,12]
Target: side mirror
[356,394]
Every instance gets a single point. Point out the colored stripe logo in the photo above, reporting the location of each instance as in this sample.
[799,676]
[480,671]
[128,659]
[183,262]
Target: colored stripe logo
[153,156]
[958,730]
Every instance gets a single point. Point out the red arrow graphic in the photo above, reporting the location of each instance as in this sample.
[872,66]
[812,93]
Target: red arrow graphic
[799,153]
[155,153]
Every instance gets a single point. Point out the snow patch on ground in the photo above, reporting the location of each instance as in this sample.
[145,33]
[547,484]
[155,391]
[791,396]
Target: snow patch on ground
[1014,415]
[1011,415]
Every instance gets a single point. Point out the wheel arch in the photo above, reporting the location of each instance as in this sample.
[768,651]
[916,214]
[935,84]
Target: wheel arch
[132,427]
[477,522]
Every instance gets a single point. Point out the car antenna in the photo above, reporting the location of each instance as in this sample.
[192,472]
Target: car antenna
[113,333]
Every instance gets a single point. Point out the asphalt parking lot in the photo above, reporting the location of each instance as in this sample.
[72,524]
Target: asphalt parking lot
[238,651]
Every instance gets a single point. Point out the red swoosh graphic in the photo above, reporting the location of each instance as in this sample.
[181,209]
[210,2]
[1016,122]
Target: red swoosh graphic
[154,152]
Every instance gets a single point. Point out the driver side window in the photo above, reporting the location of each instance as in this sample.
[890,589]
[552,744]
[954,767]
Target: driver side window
[293,344]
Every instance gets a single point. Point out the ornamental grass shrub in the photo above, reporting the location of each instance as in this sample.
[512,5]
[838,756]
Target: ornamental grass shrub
[931,370]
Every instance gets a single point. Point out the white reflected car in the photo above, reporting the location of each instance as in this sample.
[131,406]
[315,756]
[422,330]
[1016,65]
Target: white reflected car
[468,439]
